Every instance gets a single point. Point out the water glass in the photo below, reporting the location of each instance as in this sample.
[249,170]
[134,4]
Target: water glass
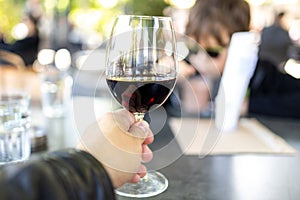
[56,90]
[14,127]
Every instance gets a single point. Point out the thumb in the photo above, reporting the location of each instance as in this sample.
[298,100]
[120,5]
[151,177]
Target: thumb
[140,130]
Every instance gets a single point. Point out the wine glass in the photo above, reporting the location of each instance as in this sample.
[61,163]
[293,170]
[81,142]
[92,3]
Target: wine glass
[141,66]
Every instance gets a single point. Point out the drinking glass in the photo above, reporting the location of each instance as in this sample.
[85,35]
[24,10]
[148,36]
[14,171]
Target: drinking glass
[56,90]
[141,69]
[14,127]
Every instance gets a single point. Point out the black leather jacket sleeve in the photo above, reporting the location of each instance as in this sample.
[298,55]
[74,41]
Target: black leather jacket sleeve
[65,174]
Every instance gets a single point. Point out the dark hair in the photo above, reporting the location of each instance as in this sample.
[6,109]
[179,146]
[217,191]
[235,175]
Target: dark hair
[212,16]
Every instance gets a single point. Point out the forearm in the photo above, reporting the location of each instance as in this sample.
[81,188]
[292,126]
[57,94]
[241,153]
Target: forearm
[67,174]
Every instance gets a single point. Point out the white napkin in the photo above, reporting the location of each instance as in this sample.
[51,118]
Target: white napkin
[197,136]
[239,68]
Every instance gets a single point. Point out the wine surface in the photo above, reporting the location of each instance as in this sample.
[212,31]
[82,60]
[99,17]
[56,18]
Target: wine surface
[139,95]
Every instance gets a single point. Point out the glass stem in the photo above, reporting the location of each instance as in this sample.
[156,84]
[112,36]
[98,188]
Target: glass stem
[139,116]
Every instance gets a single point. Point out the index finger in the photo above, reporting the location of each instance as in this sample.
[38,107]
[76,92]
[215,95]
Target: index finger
[150,138]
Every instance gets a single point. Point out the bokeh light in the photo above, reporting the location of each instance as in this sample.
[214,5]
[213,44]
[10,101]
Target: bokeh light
[20,31]
[62,59]
[46,56]
[181,4]
[108,3]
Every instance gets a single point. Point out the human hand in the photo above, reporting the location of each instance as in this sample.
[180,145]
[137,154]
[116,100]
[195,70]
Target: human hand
[120,144]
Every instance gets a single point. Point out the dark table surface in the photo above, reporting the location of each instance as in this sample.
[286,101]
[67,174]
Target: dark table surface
[235,177]
[232,177]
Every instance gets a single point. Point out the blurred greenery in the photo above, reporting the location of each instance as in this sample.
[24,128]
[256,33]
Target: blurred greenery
[100,12]
[146,7]
[10,15]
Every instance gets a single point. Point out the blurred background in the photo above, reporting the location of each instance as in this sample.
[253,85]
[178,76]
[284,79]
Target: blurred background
[61,32]
[84,24]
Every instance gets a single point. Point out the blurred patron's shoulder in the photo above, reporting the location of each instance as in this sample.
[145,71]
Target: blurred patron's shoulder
[274,93]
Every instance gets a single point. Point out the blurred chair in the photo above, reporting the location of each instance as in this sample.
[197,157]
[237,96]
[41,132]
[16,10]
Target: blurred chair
[14,76]
[11,67]
[9,59]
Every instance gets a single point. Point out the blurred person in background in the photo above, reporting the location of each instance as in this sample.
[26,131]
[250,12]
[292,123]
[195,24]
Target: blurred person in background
[273,92]
[275,42]
[34,8]
[211,24]
[27,46]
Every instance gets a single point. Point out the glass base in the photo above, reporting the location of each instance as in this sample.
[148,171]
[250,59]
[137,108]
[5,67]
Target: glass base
[152,184]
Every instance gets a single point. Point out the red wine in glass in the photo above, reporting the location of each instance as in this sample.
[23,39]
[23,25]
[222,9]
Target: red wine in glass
[139,95]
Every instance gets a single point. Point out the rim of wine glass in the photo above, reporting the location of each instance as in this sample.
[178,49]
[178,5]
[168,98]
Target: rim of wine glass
[146,17]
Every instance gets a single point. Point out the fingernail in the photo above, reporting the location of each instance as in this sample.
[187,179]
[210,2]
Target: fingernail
[143,125]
